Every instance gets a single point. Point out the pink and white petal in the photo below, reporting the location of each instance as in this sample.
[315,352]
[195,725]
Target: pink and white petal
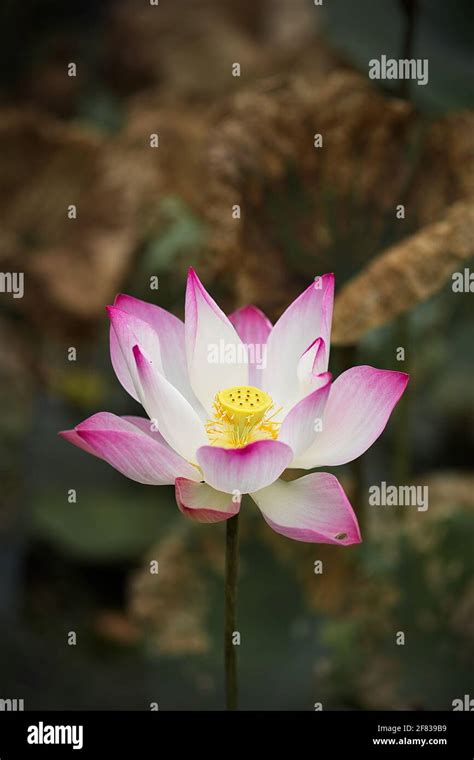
[170,331]
[98,421]
[303,423]
[253,328]
[359,406]
[104,421]
[306,319]
[175,418]
[252,325]
[127,331]
[312,363]
[147,426]
[128,450]
[244,470]
[72,436]
[216,356]
[202,503]
[137,456]
[313,509]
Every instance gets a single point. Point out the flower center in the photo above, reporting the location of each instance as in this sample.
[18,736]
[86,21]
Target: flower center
[241,416]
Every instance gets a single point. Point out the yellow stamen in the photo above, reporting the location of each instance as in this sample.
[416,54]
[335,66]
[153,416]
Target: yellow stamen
[241,417]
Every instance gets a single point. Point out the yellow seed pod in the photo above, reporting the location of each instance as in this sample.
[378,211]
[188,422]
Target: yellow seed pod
[244,404]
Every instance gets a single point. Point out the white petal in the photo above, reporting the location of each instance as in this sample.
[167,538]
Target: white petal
[306,319]
[217,358]
[175,418]
[302,424]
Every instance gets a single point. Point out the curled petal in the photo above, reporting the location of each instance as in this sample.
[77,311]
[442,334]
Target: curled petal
[312,363]
[127,331]
[313,509]
[244,470]
[200,502]
[306,319]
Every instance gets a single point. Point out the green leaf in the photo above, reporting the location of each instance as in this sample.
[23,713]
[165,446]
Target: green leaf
[108,524]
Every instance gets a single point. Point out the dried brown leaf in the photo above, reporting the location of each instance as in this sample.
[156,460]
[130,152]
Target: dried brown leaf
[404,275]
[184,53]
[72,267]
[376,154]
[268,130]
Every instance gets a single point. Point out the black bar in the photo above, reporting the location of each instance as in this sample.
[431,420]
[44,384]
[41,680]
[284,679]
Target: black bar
[320,734]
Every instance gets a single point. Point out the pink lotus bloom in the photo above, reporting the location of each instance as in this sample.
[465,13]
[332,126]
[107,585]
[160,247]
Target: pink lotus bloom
[233,402]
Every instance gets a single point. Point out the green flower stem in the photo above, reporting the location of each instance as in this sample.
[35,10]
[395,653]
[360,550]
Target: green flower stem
[231,575]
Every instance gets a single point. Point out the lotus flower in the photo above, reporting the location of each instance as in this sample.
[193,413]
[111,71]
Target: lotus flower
[233,402]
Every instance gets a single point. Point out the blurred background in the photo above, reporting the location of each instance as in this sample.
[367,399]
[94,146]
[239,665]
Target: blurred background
[147,212]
